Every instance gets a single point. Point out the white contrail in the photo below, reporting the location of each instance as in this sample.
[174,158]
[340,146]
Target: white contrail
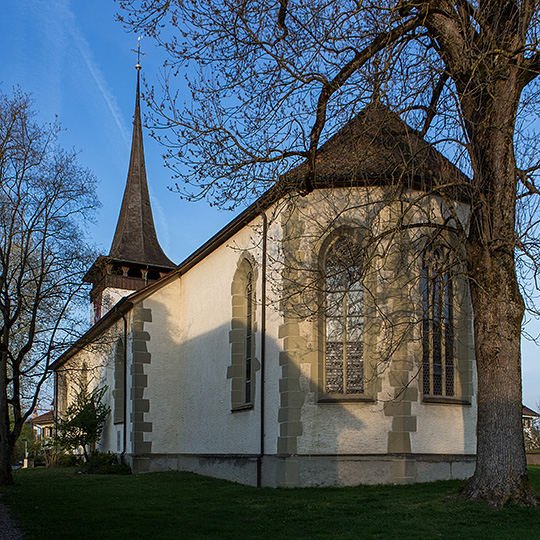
[83,46]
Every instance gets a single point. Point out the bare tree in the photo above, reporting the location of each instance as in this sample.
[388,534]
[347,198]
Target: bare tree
[44,199]
[463,72]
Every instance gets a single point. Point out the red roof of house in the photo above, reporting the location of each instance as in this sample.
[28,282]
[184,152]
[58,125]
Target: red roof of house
[45,418]
[529,412]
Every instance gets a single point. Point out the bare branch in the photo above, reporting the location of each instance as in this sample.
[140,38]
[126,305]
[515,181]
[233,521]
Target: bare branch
[360,58]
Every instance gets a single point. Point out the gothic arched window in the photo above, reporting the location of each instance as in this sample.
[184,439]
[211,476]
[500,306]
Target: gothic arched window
[343,317]
[119,382]
[242,337]
[248,339]
[438,323]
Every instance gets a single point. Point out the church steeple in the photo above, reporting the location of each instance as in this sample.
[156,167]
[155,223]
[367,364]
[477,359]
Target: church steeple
[135,258]
[135,238]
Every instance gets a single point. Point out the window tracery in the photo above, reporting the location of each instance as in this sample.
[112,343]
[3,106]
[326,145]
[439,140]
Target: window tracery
[343,317]
[438,362]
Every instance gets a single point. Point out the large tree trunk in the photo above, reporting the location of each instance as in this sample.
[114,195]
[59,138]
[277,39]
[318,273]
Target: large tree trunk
[498,307]
[6,448]
[6,453]
[501,467]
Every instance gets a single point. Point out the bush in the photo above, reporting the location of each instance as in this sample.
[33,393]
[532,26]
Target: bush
[100,463]
[82,422]
[26,441]
[51,456]
[68,460]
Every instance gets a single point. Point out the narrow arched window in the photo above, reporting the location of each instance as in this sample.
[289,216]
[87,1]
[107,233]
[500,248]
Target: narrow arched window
[119,382]
[343,317]
[438,361]
[243,336]
[248,341]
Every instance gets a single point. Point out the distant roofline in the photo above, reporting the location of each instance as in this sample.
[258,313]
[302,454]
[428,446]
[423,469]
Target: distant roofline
[46,417]
[525,411]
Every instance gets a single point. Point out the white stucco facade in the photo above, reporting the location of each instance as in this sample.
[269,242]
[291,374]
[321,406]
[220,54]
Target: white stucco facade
[183,360]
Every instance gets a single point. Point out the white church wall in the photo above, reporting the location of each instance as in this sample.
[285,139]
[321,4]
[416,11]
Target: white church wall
[339,427]
[110,440]
[163,370]
[110,297]
[180,377]
[93,367]
[272,377]
[206,423]
[274,322]
[393,419]
[444,429]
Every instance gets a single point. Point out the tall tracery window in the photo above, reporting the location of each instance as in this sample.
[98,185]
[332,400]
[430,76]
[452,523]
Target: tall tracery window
[344,317]
[438,323]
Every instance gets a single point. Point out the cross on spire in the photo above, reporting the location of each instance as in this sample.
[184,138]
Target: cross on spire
[135,240]
[138,51]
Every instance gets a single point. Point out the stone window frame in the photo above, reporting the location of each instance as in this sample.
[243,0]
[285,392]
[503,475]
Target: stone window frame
[243,335]
[458,311]
[119,382]
[357,233]
[62,391]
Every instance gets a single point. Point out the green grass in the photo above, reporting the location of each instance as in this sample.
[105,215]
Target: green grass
[57,504]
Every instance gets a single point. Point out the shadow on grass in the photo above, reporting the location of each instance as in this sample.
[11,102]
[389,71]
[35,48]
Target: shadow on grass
[58,504]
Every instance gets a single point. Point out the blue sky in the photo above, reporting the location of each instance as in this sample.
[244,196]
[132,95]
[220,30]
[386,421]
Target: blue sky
[76,61]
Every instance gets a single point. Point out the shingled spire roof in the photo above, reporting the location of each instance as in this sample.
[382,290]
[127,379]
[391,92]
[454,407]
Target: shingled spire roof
[136,258]
[135,239]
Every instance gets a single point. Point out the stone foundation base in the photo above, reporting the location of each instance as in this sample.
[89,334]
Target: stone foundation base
[353,470]
[314,470]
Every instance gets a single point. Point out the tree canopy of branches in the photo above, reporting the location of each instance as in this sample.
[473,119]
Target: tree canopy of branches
[83,420]
[270,80]
[44,199]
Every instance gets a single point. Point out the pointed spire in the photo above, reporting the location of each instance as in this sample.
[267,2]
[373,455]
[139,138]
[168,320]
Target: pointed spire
[135,238]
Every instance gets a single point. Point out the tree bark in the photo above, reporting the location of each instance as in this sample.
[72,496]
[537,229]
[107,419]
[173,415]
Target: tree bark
[501,467]
[6,448]
[498,307]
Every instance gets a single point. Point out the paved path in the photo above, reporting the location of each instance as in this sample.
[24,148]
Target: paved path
[8,528]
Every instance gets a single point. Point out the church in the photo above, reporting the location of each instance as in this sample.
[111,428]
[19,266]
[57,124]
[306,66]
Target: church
[322,338]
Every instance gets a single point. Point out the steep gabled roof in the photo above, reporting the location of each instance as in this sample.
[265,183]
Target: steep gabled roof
[376,146]
[135,238]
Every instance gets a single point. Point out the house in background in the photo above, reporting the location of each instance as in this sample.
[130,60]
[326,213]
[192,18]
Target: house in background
[43,425]
[313,341]
[531,431]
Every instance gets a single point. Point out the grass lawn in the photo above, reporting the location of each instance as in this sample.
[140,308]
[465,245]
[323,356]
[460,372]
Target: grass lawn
[56,504]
